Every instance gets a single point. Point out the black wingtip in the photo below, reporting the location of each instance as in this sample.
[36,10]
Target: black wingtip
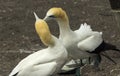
[116,49]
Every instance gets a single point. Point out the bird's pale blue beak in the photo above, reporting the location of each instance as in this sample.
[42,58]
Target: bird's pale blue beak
[46,18]
[36,17]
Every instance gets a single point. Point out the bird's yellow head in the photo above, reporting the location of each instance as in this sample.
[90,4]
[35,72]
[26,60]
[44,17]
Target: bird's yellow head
[56,13]
[43,31]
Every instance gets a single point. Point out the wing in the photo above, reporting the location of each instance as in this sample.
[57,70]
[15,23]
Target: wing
[46,69]
[89,40]
[39,57]
[91,43]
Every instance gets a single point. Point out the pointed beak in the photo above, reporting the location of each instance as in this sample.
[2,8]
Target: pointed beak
[36,17]
[46,18]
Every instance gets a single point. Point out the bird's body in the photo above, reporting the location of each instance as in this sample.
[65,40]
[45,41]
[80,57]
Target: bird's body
[79,42]
[84,45]
[44,62]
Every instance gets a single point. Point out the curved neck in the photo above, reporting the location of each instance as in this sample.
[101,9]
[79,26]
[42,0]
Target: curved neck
[64,26]
[44,33]
[47,39]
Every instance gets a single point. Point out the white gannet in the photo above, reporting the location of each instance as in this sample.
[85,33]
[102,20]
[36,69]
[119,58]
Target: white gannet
[77,42]
[46,62]
[81,43]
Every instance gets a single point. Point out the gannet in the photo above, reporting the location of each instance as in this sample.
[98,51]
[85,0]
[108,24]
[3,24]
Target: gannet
[81,43]
[45,62]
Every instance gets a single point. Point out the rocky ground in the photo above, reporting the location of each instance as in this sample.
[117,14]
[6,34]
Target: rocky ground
[19,39]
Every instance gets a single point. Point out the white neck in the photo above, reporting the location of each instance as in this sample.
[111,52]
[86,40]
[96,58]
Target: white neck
[63,27]
[56,43]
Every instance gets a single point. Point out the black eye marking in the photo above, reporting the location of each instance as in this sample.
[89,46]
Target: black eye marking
[52,16]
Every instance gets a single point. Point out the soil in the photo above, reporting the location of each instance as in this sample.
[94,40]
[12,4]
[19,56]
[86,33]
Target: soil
[18,37]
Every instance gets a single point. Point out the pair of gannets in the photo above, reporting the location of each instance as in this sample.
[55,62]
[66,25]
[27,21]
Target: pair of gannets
[46,62]
[80,44]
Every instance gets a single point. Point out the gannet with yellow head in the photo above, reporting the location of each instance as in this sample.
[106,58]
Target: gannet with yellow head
[45,62]
[79,43]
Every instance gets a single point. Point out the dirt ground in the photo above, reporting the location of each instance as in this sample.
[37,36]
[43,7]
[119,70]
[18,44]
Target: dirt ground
[19,39]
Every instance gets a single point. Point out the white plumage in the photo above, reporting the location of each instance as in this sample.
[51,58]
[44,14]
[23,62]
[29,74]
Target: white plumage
[77,42]
[44,62]
[91,42]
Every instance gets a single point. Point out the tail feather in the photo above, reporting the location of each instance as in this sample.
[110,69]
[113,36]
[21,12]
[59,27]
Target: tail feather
[116,49]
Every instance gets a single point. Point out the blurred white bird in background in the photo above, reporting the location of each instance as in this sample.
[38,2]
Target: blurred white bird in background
[81,43]
[46,62]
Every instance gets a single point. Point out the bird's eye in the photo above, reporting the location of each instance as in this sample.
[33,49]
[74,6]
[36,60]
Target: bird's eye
[52,16]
